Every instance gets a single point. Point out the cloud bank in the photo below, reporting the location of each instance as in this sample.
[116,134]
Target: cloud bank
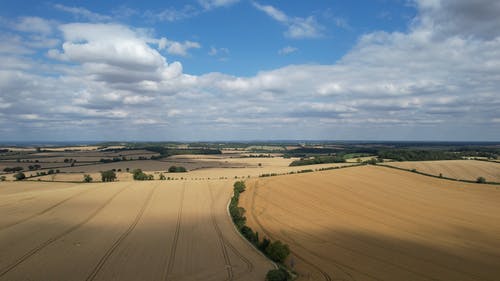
[438,80]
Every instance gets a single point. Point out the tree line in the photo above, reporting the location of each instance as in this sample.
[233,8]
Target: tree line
[274,250]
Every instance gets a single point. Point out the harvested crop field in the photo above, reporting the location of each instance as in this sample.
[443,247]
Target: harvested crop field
[456,169]
[375,223]
[122,231]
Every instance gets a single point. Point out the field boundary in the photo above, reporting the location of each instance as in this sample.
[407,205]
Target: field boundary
[245,239]
[310,170]
[434,176]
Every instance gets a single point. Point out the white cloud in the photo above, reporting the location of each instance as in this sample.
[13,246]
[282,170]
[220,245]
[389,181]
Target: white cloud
[221,53]
[304,28]
[113,53]
[298,28]
[13,44]
[210,4]
[34,25]
[173,14]
[272,12]
[287,50]
[460,17]
[426,83]
[3,104]
[80,12]
[177,48]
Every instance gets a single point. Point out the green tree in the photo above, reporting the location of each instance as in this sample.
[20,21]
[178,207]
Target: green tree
[107,176]
[177,169]
[87,178]
[239,187]
[139,175]
[277,275]
[251,236]
[277,251]
[263,245]
[162,177]
[481,180]
[20,176]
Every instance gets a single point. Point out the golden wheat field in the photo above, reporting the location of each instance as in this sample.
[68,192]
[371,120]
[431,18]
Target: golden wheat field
[376,223]
[155,230]
[456,169]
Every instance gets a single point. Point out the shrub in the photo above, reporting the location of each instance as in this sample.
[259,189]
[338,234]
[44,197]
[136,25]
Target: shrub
[3,178]
[263,245]
[251,236]
[108,176]
[238,215]
[162,177]
[87,178]
[14,169]
[20,176]
[239,187]
[277,275]
[481,180]
[177,169]
[277,251]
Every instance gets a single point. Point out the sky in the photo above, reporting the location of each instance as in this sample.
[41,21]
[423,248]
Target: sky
[250,70]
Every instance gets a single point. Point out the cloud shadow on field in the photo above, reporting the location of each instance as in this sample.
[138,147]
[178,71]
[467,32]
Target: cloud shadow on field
[351,255]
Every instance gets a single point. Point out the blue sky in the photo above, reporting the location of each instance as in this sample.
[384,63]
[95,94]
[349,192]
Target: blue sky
[246,70]
[249,40]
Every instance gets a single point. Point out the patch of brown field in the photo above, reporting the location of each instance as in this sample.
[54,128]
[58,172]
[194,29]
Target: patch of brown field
[374,223]
[198,167]
[361,159]
[25,166]
[124,231]
[456,169]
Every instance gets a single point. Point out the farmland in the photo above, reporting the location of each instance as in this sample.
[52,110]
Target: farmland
[363,222]
[374,223]
[456,169]
[122,231]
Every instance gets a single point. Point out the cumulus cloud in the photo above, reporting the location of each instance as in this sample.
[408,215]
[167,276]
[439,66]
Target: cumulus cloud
[177,48]
[460,17]
[429,82]
[113,53]
[298,28]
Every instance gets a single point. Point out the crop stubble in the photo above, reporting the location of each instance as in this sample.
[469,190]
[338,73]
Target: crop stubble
[127,231]
[371,223]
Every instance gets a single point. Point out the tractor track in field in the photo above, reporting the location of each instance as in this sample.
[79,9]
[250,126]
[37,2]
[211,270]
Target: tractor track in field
[124,235]
[45,210]
[324,274]
[35,250]
[222,243]
[173,249]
